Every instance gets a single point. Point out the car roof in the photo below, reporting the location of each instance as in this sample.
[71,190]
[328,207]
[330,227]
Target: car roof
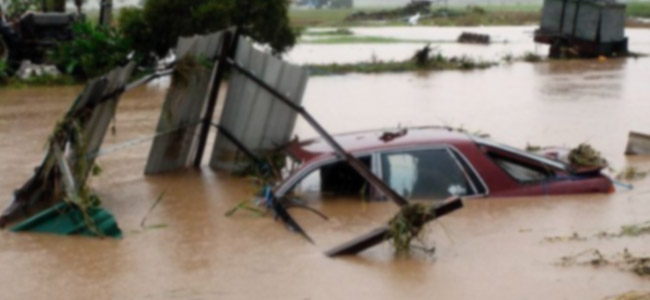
[377,140]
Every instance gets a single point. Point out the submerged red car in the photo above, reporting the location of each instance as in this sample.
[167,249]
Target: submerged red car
[434,163]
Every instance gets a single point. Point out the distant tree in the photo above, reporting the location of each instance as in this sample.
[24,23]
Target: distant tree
[158,25]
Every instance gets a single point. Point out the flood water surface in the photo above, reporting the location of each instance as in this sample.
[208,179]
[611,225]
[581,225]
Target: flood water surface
[491,249]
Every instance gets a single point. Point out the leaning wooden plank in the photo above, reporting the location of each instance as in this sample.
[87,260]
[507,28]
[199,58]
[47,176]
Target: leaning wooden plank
[638,144]
[382,234]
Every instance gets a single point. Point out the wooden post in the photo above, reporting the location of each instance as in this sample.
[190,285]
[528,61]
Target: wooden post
[221,67]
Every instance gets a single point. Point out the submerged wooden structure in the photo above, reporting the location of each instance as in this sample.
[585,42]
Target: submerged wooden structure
[583,28]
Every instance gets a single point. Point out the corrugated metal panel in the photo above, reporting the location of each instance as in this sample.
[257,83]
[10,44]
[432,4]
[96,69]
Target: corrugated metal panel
[569,16]
[44,187]
[184,104]
[552,15]
[613,24]
[588,19]
[250,113]
[96,127]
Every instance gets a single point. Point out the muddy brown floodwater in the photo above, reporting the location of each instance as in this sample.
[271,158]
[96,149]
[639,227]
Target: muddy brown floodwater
[492,249]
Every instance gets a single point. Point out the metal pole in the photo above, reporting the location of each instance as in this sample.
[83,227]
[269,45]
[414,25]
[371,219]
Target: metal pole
[353,161]
[212,98]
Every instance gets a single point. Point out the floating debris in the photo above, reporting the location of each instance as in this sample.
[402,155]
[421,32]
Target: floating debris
[631,296]
[533,148]
[631,173]
[626,261]
[407,225]
[638,144]
[574,237]
[474,38]
[586,156]
[532,57]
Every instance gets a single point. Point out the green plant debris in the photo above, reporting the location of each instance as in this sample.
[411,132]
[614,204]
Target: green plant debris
[434,62]
[463,130]
[408,224]
[631,173]
[625,261]
[573,237]
[633,295]
[188,65]
[632,230]
[532,57]
[635,230]
[586,156]
[246,206]
[533,148]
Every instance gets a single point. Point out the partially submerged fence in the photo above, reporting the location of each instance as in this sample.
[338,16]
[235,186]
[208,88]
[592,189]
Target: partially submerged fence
[263,101]
[250,113]
[70,154]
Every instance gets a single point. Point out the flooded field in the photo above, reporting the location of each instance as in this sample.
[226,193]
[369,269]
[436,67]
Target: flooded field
[492,249]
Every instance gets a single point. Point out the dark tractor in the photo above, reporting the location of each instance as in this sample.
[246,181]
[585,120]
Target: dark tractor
[32,36]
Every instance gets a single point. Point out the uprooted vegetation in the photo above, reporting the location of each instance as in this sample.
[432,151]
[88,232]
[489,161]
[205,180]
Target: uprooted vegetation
[631,230]
[586,156]
[634,295]
[408,224]
[631,173]
[625,261]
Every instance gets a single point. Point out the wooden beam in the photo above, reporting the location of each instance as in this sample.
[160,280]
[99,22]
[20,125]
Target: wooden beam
[381,234]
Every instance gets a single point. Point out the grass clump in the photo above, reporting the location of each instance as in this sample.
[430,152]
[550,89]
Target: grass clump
[408,224]
[422,60]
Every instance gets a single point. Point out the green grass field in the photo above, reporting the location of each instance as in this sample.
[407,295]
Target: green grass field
[511,14]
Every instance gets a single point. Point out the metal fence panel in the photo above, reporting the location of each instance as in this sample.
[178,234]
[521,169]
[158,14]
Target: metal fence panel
[552,15]
[587,23]
[569,17]
[250,113]
[613,24]
[184,104]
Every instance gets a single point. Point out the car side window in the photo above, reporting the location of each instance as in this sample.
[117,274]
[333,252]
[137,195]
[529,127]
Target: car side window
[333,179]
[425,174]
[519,171]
